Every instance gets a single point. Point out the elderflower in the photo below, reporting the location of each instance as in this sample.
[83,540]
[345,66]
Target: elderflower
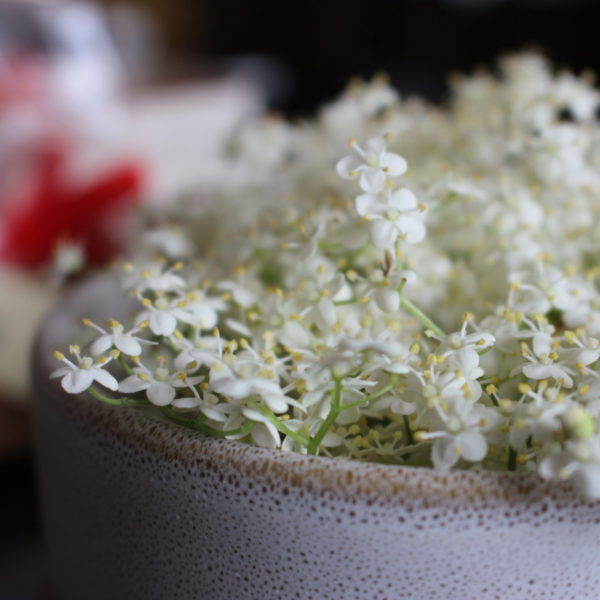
[373,166]
[443,315]
[78,377]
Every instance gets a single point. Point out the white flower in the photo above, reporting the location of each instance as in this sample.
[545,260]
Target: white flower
[160,386]
[125,342]
[465,424]
[266,435]
[342,309]
[445,387]
[576,95]
[69,258]
[353,110]
[540,332]
[374,166]
[525,297]
[171,241]
[240,293]
[586,351]
[162,314]
[395,214]
[545,365]
[225,381]
[77,378]
[462,349]
[264,143]
[243,375]
[546,369]
[154,277]
[538,415]
[384,345]
[580,461]
[200,310]
[204,349]
[323,298]
[291,445]
[449,447]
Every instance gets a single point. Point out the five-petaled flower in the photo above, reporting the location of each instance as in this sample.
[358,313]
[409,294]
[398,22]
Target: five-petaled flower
[373,165]
[78,377]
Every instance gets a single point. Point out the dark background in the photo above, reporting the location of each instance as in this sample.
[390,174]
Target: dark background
[320,44]
[311,48]
[417,42]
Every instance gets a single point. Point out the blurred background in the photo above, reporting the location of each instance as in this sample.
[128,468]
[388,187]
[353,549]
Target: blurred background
[107,106]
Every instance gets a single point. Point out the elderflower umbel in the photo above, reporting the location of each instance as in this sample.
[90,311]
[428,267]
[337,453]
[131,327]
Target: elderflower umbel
[443,315]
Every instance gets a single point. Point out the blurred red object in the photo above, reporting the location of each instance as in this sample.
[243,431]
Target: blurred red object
[56,210]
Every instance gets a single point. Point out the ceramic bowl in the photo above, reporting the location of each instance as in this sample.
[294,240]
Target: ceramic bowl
[136,508]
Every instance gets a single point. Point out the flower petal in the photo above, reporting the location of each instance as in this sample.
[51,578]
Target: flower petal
[403,200]
[210,411]
[77,381]
[190,402]
[232,387]
[326,313]
[412,227]
[101,345]
[552,465]
[105,378]
[332,440]
[542,344]
[587,481]
[160,393]
[254,415]
[294,335]
[372,180]
[206,316]
[133,384]
[383,234]
[388,300]
[162,323]
[127,344]
[238,327]
[375,145]
[276,403]
[60,372]
[394,164]
[347,167]
[473,445]
[443,453]
[363,203]
[266,435]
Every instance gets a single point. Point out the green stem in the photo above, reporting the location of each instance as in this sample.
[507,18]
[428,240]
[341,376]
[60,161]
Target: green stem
[512,459]
[198,424]
[172,345]
[354,255]
[115,401]
[443,203]
[281,427]
[343,302]
[409,434]
[125,366]
[369,397]
[336,407]
[418,314]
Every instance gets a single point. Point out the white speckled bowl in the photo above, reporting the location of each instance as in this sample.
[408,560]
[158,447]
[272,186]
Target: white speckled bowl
[139,509]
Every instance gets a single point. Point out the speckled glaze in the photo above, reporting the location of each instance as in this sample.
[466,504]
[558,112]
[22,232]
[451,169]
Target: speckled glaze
[135,508]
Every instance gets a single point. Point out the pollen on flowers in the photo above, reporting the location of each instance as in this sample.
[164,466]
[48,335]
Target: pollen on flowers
[406,298]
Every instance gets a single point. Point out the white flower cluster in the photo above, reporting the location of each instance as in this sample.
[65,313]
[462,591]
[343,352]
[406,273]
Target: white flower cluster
[445,315]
